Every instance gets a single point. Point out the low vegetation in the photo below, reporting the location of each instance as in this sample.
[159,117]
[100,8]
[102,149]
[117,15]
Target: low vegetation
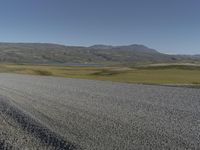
[154,74]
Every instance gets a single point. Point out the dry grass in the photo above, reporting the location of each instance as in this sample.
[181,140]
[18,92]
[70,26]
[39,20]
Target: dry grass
[158,74]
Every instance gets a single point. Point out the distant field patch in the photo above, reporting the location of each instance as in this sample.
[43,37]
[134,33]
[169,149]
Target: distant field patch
[153,74]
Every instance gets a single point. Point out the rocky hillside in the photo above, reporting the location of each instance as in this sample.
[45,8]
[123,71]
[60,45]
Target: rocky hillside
[44,53]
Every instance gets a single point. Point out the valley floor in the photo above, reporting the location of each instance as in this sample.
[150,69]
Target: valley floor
[165,74]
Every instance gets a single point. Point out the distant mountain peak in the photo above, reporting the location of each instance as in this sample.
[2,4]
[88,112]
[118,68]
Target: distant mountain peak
[137,45]
[132,47]
[125,47]
[101,46]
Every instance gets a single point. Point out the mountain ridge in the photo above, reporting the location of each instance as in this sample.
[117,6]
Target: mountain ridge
[50,53]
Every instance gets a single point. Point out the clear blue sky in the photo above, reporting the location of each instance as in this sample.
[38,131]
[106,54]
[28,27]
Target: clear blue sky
[171,26]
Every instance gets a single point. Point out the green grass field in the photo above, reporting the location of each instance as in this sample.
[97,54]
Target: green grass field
[157,74]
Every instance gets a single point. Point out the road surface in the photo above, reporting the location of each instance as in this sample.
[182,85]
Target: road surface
[38,112]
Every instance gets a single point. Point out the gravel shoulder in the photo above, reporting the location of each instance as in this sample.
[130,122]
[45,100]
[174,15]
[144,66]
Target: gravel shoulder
[86,114]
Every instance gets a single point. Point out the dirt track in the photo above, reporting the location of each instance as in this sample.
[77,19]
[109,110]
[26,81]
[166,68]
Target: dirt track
[58,113]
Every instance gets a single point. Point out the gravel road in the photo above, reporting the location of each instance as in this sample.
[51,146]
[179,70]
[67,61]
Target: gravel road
[61,113]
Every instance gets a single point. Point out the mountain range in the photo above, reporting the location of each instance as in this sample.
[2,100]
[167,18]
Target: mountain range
[46,53]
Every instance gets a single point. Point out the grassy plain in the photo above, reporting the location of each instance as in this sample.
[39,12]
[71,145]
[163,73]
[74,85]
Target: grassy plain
[153,74]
